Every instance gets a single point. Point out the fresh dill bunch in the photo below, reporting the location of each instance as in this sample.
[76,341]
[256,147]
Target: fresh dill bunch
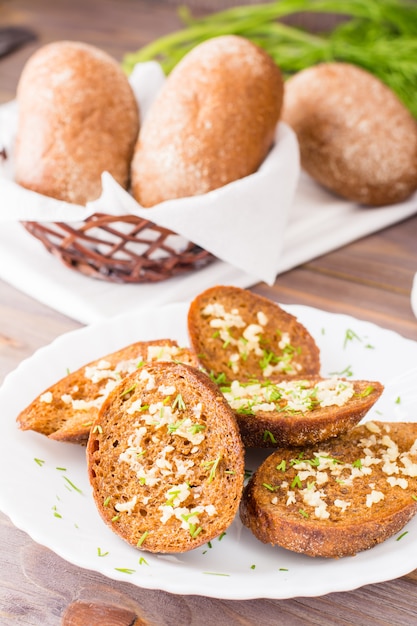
[377,35]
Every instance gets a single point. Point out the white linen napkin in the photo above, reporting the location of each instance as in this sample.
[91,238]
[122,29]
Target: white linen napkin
[241,223]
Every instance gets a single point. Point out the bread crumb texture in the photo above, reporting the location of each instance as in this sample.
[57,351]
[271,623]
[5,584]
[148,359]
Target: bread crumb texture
[238,335]
[165,459]
[337,498]
[356,138]
[66,410]
[213,121]
[297,412]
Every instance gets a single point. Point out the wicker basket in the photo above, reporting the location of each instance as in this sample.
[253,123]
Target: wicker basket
[120,249]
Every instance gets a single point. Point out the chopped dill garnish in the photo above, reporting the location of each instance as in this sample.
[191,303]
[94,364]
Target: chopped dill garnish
[268,435]
[366,392]
[71,484]
[270,487]
[126,391]
[213,465]
[179,403]
[345,372]
[142,538]
[296,482]
[350,335]
[100,553]
[402,535]
[281,467]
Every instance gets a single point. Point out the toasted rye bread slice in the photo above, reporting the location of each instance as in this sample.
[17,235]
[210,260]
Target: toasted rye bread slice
[338,498]
[299,412]
[165,459]
[237,334]
[66,410]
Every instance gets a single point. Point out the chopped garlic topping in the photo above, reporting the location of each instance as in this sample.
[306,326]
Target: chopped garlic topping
[162,353]
[146,376]
[288,395]
[397,482]
[410,468]
[81,405]
[126,507]
[284,341]
[262,318]
[380,450]
[374,497]
[46,397]
[250,340]
[372,427]
[342,504]
[166,390]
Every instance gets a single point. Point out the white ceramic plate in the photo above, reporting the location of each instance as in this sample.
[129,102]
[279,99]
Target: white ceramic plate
[45,489]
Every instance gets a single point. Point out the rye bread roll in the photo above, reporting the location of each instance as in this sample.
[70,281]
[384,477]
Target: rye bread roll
[337,498]
[78,117]
[356,138]
[165,459]
[213,122]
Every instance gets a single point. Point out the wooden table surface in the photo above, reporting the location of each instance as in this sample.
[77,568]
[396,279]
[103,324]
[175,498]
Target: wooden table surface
[370,279]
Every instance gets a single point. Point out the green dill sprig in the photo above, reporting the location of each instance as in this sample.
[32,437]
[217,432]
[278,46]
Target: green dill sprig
[71,485]
[212,465]
[377,35]
[179,403]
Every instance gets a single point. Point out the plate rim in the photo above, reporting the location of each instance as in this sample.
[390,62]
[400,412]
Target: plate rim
[219,591]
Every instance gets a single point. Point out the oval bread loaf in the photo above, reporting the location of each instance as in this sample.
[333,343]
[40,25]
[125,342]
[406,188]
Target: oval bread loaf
[165,459]
[356,138]
[336,498]
[78,117]
[213,121]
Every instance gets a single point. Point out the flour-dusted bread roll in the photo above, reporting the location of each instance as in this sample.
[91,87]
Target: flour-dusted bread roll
[356,138]
[78,117]
[213,121]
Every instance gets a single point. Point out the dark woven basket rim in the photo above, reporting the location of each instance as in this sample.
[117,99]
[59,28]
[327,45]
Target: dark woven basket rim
[121,249]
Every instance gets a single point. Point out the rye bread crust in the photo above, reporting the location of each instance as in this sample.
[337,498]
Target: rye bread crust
[213,121]
[277,428]
[278,344]
[298,526]
[165,445]
[66,410]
